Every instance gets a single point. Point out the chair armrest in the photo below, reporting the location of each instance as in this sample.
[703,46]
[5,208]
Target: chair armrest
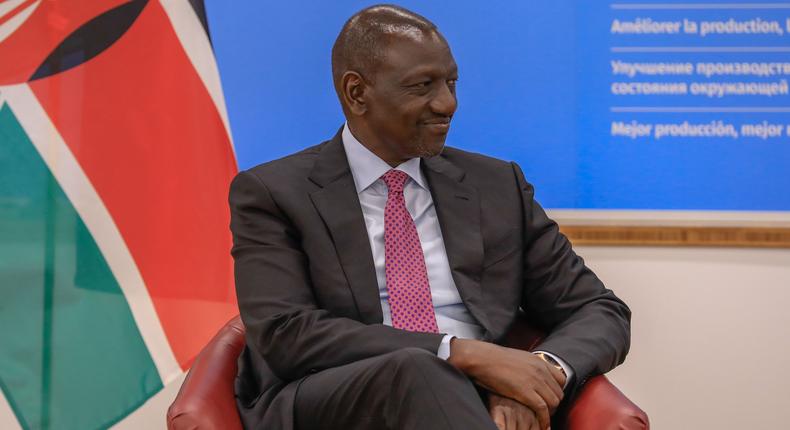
[601,406]
[206,399]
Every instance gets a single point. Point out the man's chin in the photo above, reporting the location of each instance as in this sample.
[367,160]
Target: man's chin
[431,149]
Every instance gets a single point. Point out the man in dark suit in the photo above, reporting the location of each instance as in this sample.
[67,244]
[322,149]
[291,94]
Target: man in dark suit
[378,272]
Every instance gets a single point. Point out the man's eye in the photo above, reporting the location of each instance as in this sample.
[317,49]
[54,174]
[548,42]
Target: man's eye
[423,84]
[452,82]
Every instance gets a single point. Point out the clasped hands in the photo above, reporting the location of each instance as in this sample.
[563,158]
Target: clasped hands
[524,389]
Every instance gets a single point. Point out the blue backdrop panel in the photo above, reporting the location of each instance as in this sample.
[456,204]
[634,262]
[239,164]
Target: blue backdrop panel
[537,85]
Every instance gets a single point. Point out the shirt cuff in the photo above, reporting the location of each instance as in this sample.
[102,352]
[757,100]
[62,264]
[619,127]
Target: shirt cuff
[562,363]
[444,347]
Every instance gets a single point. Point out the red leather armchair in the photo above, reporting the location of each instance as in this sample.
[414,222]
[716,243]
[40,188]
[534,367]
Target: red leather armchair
[206,399]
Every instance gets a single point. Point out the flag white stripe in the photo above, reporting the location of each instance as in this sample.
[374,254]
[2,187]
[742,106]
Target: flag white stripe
[195,41]
[8,421]
[8,27]
[86,201]
[9,5]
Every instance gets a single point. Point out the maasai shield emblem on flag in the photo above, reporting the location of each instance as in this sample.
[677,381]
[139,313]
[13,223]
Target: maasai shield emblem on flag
[115,160]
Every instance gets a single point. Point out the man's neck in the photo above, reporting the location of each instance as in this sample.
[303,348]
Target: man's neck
[368,139]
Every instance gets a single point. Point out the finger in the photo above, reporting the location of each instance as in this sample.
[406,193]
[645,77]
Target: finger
[551,380]
[511,419]
[528,419]
[523,415]
[535,402]
[546,391]
[557,375]
[534,425]
[499,418]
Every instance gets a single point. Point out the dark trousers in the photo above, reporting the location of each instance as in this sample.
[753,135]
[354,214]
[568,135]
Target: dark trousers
[406,389]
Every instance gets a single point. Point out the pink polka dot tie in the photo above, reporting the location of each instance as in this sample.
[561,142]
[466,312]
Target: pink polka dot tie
[407,279]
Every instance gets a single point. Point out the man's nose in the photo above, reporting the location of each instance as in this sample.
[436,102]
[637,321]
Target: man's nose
[444,103]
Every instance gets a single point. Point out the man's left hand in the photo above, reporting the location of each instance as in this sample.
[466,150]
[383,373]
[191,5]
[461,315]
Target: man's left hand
[509,414]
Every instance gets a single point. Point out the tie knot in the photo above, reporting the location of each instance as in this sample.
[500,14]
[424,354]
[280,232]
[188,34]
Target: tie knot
[394,180]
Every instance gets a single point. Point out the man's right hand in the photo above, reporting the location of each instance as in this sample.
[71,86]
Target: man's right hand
[519,375]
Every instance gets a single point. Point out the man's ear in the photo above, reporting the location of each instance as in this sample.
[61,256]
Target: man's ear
[353,90]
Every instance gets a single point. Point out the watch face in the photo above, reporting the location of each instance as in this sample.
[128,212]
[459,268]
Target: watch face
[552,361]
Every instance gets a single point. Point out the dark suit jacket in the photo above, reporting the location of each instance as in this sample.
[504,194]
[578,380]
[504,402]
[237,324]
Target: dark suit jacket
[307,288]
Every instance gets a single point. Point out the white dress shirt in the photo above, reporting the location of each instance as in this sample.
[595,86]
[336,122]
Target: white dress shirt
[452,316]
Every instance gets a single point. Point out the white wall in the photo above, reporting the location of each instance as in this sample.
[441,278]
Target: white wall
[710,334]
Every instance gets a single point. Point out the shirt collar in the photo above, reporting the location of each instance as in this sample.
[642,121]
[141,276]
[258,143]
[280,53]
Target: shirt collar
[367,167]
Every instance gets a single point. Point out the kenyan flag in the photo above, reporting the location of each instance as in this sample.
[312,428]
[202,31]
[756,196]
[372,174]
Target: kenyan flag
[115,160]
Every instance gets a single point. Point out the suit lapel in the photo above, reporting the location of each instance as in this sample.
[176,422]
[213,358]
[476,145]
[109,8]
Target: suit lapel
[338,205]
[458,209]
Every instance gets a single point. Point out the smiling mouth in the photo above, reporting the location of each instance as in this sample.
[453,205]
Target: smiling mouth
[441,125]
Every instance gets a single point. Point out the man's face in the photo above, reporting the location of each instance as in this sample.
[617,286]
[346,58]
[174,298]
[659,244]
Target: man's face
[412,97]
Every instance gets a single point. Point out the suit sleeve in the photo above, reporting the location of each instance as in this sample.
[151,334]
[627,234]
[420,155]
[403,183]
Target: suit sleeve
[588,326]
[284,323]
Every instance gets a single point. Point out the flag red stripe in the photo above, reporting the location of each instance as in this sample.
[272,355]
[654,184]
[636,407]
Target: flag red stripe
[50,23]
[12,13]
[153,144]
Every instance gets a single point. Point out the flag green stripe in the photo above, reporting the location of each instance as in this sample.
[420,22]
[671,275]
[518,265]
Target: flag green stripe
[72,356]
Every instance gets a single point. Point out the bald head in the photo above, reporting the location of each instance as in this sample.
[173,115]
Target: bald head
[360,45]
